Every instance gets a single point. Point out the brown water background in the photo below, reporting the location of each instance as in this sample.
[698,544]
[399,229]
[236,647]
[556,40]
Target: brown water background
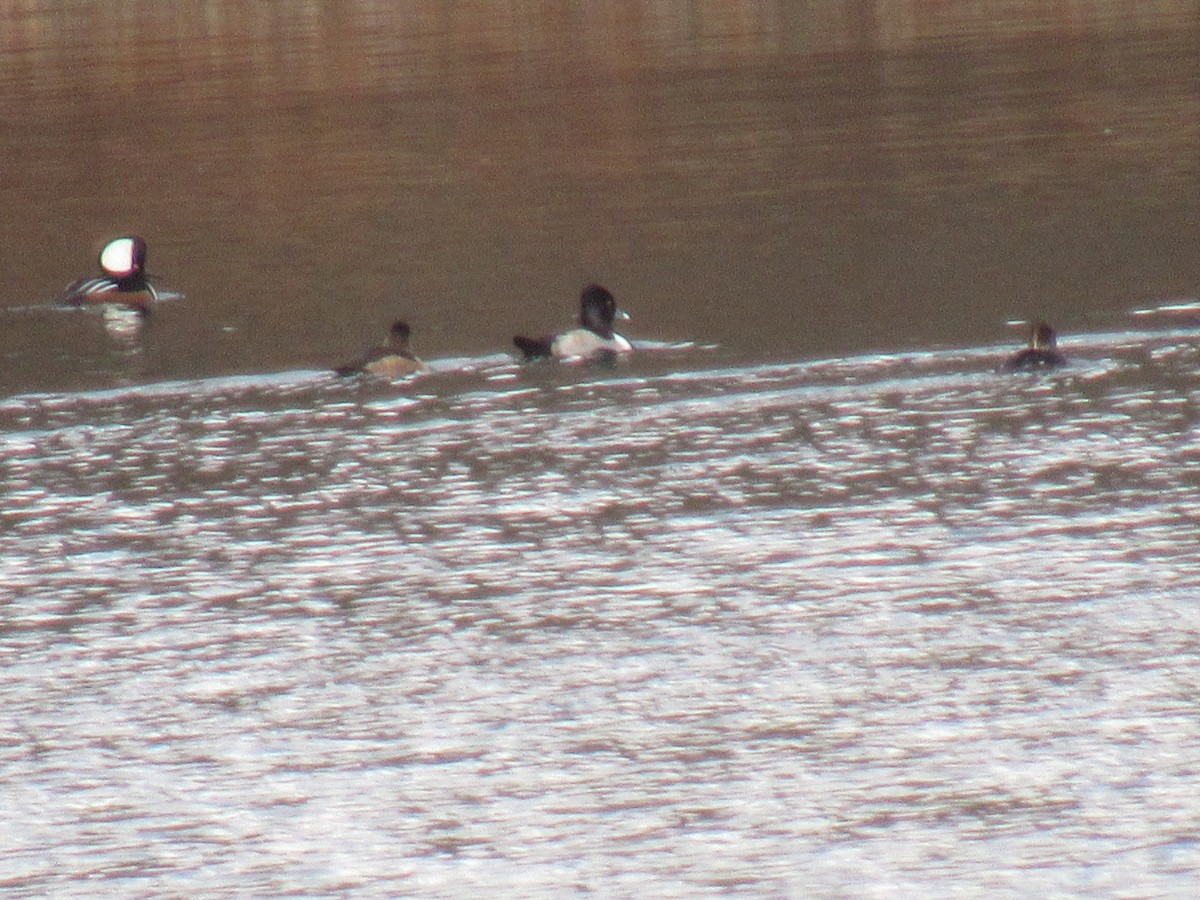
[783,180]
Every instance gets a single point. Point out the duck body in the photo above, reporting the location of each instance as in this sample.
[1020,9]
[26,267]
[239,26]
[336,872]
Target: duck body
[585,342]
[594,338]
[123,283]
[390,360]
[1042,352]
[104,291]
[1034,358]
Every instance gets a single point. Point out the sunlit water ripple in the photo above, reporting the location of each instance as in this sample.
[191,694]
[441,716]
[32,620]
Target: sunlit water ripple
[871,625]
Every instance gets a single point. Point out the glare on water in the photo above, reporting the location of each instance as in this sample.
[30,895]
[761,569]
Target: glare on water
[579,627]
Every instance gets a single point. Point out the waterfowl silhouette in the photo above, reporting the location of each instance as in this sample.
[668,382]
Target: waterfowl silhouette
[124,281]
[594,336]
[1041,352]
[390,360]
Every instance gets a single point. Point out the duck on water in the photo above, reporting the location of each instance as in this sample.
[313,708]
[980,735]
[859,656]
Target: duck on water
[594,338]
[392,359]
[123,280]
[1042,352]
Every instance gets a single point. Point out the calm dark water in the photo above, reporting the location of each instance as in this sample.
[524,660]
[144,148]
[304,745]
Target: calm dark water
[805,598]
[306,177]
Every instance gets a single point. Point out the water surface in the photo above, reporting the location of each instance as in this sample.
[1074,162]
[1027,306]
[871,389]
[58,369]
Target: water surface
[806,598]
[895,622]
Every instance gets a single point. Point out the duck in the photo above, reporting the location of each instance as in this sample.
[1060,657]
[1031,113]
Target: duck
[593,338]
[1041,352]
[390,360]
[124,281]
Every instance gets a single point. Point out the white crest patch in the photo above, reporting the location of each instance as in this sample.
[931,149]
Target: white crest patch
[116,259]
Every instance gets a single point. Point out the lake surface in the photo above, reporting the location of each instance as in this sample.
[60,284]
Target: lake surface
[804,598]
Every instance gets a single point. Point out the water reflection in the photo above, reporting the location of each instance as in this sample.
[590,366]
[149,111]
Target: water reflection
[423,35]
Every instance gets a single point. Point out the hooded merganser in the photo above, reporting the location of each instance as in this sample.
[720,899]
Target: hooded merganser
[594,337]
[391,360]
[1041,352]
[124,282]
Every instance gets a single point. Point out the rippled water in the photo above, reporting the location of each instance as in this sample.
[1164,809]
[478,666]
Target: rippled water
[889,624]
